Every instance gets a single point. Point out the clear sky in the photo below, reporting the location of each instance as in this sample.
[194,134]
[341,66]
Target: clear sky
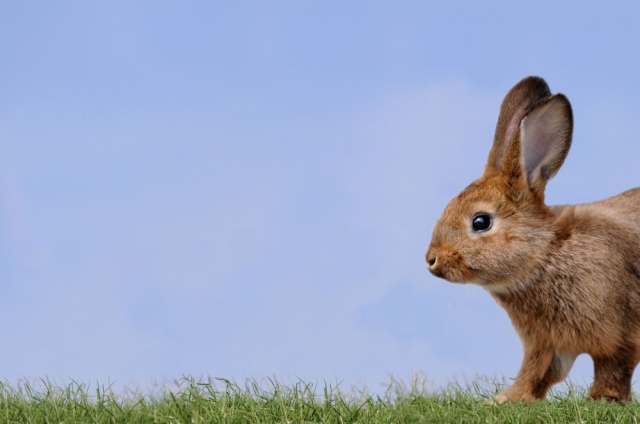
[247,189]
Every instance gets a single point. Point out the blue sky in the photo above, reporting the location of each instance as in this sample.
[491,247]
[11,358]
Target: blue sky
[247,189]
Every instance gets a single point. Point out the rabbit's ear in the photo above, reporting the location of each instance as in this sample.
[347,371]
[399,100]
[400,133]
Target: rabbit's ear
[522,97]
[540,147]
[545,138]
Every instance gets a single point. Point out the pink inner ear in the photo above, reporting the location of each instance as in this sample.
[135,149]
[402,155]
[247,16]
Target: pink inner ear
[543,138]
[511,128]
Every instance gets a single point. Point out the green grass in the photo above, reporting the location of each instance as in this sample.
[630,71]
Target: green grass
[222,401]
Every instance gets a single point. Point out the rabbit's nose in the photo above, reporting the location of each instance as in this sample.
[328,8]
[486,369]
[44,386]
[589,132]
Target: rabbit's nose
[431,259]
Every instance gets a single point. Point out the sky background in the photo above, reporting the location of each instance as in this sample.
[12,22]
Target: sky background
[247,189]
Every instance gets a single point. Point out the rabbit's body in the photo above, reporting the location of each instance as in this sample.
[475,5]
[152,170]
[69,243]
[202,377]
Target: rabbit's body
[568,276]
[583,306]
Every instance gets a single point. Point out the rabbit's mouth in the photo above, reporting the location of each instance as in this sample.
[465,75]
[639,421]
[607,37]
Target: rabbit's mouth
[457,276]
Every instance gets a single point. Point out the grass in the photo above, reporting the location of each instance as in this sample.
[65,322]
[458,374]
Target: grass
[222,401]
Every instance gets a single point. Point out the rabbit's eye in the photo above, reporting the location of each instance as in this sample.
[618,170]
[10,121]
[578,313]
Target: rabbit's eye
[481,222]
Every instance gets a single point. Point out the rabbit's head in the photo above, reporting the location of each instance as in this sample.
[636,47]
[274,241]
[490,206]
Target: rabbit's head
[498,228]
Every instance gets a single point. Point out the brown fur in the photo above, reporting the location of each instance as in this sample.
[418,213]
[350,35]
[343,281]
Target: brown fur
[568,276]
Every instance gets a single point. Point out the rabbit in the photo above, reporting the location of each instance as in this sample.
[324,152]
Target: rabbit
[567,276]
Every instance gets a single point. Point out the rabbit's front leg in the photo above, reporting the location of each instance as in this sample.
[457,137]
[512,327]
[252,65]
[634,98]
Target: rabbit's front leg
[541,368]
[612,376]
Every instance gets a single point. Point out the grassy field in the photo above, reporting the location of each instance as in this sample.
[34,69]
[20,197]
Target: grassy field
[221,401]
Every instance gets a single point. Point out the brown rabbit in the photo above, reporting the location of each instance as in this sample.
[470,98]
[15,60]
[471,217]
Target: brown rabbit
[568,276]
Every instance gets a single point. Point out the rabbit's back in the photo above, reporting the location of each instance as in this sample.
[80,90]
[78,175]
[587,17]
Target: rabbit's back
[625,204]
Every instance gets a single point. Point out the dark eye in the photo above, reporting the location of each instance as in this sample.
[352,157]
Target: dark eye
[481,222]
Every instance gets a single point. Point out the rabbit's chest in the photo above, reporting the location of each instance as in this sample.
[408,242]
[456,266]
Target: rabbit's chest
[559,320]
